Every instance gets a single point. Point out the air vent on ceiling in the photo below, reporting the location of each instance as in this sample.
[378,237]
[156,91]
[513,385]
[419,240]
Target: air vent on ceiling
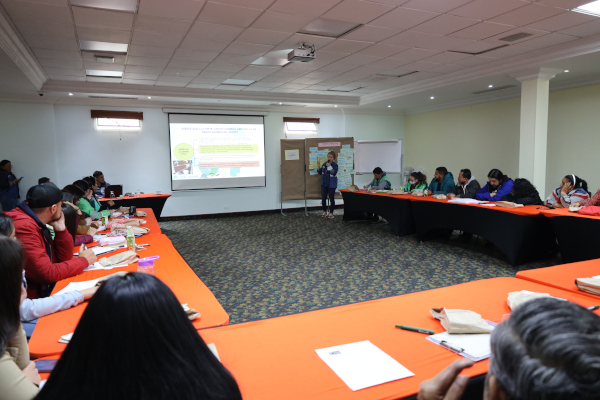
[385,76]
[516,36]
[344,89]
[478,53]
[113,97]
[494,89]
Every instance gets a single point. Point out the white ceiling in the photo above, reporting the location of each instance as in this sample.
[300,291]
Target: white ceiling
[180,51]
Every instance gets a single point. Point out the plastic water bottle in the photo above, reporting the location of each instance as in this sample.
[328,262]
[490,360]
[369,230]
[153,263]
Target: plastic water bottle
[130,239]
[137,193]
[146,265]
[112,194]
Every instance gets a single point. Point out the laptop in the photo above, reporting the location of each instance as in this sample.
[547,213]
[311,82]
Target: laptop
[117,189]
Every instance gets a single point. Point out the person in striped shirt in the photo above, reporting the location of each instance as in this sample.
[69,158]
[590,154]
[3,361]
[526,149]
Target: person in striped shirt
[573,190]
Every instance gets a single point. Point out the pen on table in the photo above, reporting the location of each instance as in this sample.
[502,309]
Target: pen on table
[451,347]
[142,245]
[413,329]
[592,308]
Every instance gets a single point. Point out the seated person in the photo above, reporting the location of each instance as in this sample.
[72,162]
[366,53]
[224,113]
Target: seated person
[442,182]
[572,189]
[466,186]
[73,215]
[498,186]
[43,180]
[523,192]
[85,221]
[380,180]
[31,309]
[101,183]
[547,349]
[47,260]
[165,356]
[416,182]
[87,203]
[18,376]
[594,201]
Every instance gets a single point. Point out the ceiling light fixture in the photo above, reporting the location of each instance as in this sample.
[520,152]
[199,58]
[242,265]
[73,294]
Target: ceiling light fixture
[432,97]
[117,5]
[389,105]
[280,103]
[70,94]
[149,97]
[103,74]
[105,47]
[592,8]
[335,106]
[566,70]
[490,86]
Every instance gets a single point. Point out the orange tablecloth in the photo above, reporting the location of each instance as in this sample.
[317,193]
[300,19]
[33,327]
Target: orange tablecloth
[276,359]
[564,212]
[141,196]
[563,276]
[171,268]
[151,222]
[527,210]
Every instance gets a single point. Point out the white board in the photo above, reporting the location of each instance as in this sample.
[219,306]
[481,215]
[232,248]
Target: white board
[386,154]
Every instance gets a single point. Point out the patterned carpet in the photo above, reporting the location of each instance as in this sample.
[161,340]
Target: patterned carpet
[268,265]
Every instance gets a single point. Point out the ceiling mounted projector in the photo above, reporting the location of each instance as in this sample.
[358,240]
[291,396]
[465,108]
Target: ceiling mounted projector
[303,53]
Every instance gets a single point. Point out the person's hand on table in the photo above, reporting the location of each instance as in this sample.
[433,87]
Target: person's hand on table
[59,225]
[446,385]
[450,196]
[32,373]
[492,194]
[557,205]
[88,254]
[95,225]
[576,205]
[88,293]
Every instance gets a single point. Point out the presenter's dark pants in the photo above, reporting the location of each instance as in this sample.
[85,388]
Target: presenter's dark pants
[324,192]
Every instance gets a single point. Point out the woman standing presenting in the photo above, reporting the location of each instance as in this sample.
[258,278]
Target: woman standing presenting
[328,172]
[9,186]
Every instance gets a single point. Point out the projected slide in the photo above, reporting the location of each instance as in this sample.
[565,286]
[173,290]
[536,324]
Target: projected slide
[216,151]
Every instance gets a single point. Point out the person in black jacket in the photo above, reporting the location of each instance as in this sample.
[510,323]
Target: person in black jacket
[523,192]
[466,187]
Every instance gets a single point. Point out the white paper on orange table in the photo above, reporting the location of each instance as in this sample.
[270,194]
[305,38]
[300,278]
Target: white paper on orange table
[77,286]
[362,364]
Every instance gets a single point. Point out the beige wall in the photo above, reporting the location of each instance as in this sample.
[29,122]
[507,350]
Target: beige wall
[574,136]
[478,137]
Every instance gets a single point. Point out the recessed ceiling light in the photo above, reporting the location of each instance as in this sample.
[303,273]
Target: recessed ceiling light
[91,45]
[103,73]
[70,94]
[335,106]
[118,5]
[566,70]
[592,8]
[490,86]
[280,103]
[389,106]
[149,97]
[432,97]
[238,82]
[329,27]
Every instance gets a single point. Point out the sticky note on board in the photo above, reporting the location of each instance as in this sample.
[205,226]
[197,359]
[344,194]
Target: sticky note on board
[313,172]
[350,150]
[345,146]
[313,165]
[311,149]
[321,153]
[312,157]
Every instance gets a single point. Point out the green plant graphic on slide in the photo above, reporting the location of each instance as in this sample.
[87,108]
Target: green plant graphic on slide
[184,151]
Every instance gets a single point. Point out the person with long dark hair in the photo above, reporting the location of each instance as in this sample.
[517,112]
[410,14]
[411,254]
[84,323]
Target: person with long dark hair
[18,376]
[134,341]
[86,203]
[416,182]
[572,189]
[498,186]
[9,186]
[73,215]
[523,192]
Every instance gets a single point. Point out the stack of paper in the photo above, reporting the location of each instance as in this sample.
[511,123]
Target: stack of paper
[362,364]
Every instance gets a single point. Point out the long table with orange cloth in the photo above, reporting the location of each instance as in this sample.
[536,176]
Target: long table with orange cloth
[563,276]
[171,268]
[276,359]
[151,221]
[577,234]
[148,200]
[521,234]
[394,209]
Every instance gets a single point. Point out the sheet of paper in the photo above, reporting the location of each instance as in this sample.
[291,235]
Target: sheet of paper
[345,146]
[292,155]
[488,205]
[96,266]
[362,364]
[78,286]
[312,149]
[101,250]
[476,345]
[313,172]
[313,165]
[321,153]
[213,348]
[312,157]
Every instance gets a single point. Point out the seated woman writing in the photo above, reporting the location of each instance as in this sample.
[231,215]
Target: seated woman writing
[572,190]
[416,182]
[523,192]
[498,186]
[87,203]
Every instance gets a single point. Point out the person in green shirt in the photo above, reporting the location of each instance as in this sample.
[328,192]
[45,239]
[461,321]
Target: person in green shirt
[88,204]
[416,182]
[380,180]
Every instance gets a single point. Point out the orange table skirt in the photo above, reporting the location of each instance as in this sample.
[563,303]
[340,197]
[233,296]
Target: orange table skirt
[276,359]
[564,212]
[563,276]
[171,268]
